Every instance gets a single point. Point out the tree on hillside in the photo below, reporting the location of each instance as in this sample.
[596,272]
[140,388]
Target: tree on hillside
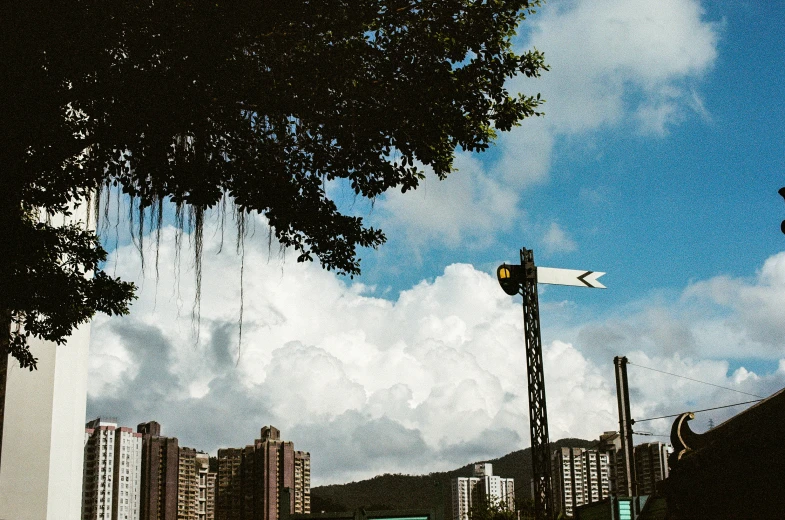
[245,106]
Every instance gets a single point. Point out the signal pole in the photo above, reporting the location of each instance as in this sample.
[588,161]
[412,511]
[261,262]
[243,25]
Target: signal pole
[522,279]
[538,411]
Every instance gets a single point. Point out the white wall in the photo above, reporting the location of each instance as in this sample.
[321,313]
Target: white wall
[43,429]
[43,433]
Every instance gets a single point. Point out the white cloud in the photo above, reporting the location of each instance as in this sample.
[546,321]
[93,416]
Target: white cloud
[442,366]
[753,311]
[369,385]
[556,240]
[610,58]
[467,209]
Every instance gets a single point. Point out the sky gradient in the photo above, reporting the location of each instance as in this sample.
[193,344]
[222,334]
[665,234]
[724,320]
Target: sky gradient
[658,161]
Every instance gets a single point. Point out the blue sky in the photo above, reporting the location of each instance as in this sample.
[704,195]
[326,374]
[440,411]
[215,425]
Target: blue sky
[658,209]
[658,162]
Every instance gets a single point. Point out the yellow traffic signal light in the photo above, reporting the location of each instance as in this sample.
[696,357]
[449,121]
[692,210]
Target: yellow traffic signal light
[509,278]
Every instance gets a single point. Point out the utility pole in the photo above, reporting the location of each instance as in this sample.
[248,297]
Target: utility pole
[625,424]
[522,279]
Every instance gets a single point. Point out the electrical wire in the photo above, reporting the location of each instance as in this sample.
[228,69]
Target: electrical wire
[634,421]
[695,380]
[649,434]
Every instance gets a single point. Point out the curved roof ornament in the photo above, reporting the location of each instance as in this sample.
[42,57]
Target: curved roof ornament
[683,439]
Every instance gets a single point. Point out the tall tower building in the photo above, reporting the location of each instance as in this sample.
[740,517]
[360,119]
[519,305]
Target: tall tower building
[187,485]
[250,480]
[651,466]
[302,482]
[160,473]
[580,476]
[195,499]
[205,497]
[229,489]
[483,486]
[42,422]
[210,502]
[610,444]
[112,472]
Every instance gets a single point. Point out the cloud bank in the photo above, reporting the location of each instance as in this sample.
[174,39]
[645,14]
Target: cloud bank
[430,380]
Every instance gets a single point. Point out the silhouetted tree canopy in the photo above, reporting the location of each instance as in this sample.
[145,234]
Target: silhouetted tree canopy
[254,104]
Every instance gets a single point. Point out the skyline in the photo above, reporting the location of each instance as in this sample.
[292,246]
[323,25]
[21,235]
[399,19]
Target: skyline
[657,162]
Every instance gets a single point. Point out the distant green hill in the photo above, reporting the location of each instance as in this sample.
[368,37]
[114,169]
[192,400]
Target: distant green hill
[425,491]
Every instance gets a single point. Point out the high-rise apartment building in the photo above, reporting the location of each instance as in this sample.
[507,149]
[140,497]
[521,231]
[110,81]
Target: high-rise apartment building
[580,476]
[205,500]
[251,480]
[160,473]
[302,482]
[610,444]
[481,487]
[176,481]
[195,497]
[651,466]
[187,485]
[112,472]
[212,486]
[228,491]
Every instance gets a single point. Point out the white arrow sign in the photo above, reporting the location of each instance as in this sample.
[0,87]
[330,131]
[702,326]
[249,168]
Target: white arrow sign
[572,277]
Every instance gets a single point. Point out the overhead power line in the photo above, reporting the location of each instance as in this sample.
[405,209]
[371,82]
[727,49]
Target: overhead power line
[696,411]
[651,434]
[695,380]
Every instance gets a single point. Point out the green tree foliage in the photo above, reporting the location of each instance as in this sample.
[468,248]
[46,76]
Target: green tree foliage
[257,104]
[525,508]
[491,509]
[51,282]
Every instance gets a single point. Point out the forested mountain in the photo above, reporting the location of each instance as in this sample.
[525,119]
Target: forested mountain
[425,491]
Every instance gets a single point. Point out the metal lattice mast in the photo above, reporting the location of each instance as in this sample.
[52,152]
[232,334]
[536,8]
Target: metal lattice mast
[538,413]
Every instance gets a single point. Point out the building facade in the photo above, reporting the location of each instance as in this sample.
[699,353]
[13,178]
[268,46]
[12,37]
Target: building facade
[42,419]
[580,476]
[205,495]
[302,482]
[651,466]
[251,479]
[610,444]
[160,473]
[228,491]
[483,486]
[176,481]
[111,483]
[187,485]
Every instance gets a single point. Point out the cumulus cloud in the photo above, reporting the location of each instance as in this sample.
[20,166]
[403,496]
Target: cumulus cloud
[610,58]
[722,317]
[430,369]
[430,380]
[750,312]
